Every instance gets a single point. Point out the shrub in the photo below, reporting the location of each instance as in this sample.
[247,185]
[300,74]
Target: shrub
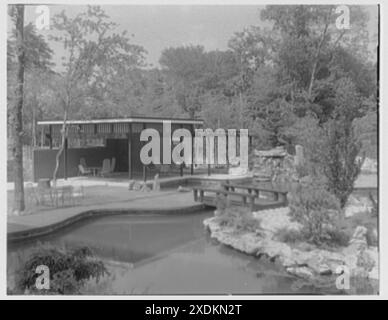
[289,235]
[69,270]
[338,237]
[316,209]
[240,219]
[245,221]
[340,159]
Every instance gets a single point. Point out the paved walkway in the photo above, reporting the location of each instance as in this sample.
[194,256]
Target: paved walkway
[135,200]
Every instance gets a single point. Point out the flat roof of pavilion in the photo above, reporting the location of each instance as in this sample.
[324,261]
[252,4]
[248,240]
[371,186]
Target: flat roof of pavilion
[134,119]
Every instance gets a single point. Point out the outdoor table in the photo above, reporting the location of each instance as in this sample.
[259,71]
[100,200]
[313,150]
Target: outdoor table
[95,170]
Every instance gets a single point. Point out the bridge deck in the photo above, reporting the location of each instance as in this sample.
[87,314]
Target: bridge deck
[253,197]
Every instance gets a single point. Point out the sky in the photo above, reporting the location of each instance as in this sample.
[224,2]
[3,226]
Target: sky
[158,27]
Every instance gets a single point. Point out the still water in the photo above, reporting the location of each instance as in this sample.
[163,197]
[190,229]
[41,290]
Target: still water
[169,254]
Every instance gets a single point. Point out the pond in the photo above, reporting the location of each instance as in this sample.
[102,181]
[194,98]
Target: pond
[169,254]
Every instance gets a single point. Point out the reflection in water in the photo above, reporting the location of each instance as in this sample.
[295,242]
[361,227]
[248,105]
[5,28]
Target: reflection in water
[170,254]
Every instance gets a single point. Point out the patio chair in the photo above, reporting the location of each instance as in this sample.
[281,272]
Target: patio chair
[65,192]
[112,165]
[83,170]
[83,162]
[31,194]
[44,193]
[106,168]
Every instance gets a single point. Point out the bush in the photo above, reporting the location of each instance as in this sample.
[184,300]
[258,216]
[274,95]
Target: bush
[338,237]
[316,209]
[69,270]
[289,236]
[240,219]
[340,159]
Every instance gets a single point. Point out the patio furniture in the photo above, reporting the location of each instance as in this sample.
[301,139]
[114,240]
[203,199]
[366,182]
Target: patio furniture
[44,193]
[83,170]
[113,165]
[95,170]
[106,168]
[83,162]
[64,193]
[31,194]
[78,193]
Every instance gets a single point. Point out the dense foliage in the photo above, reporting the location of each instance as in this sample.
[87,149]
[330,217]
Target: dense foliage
[68,270]
[317,210]
[299,80]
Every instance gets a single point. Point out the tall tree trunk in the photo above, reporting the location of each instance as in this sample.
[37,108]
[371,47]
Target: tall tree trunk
[16,122]
[316,59]
[33,128]
[62,146]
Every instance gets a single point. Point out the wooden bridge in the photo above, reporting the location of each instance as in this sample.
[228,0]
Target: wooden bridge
[256,198]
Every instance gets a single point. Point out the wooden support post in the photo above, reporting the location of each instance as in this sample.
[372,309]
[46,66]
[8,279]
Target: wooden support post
[276,196]
[42,136]
[144,167]
[201,194]
[252,203]
[192,150]
[51,137]
[65,159]
[183,163]
[208,170]
[227,152]
[195,192]
[130,151]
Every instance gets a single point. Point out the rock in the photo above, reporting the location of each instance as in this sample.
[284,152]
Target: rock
[136,186]
[369,165]
[276,152]
[299,156]
[302,272]
[131,184]
[304,262]
[276,249]
[304,246]
[356,205]
[183,189]
[358,239]
[144,187]
[238,171]
[273,220]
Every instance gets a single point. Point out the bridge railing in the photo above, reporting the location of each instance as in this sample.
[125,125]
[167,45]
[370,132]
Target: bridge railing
[278,195]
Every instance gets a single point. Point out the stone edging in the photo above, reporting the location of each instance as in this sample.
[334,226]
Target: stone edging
[309,265]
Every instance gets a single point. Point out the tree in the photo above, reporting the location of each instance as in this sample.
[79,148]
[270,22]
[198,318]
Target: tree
[311,38]
[252,48]
[341,160]
[38,72]
[185,67]
[16,115]
[95,53]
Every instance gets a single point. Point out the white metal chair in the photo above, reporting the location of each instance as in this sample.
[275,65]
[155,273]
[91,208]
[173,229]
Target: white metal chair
[106,168]
[113,165]
[83,170]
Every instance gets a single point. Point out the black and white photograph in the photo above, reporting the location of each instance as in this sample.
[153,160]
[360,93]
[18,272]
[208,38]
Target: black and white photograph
[192,149]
